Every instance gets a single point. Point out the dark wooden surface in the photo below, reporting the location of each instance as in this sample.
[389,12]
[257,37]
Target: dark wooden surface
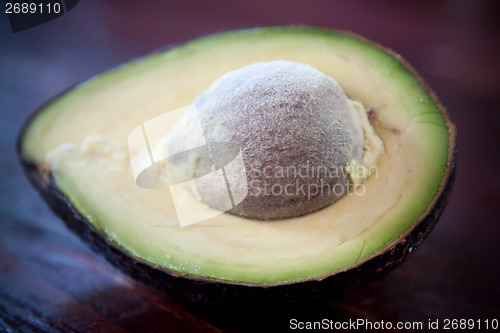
[50,281]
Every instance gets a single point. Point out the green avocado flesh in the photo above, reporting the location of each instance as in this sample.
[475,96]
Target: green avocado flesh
[82,138]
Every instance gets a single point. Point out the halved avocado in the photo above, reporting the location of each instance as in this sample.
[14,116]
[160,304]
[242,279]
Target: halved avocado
[74,150]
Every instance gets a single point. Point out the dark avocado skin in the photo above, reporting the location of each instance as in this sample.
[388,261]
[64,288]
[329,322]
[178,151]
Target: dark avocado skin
[219,293]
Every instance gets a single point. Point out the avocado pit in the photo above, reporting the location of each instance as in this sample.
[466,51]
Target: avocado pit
[299,135]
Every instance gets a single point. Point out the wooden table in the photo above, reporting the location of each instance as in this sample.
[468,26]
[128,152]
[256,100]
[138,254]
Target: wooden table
[50,281]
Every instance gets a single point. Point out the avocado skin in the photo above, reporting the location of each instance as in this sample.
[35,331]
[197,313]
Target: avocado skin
[220,293]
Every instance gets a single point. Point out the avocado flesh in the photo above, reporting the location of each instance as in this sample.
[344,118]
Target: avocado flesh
[92,169]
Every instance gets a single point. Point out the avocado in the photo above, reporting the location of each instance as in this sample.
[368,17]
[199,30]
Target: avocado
[75,150]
